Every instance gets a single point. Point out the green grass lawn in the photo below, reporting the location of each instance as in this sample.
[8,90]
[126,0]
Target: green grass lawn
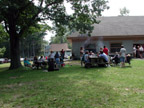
[73,87]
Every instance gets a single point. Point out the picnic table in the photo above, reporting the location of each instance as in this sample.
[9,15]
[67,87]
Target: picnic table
[95,61]
[41,64]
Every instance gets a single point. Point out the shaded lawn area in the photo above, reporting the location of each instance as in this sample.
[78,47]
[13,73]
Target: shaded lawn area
[73,87]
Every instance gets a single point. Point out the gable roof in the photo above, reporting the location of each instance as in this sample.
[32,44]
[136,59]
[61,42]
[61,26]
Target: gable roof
[117,26]
[59,47]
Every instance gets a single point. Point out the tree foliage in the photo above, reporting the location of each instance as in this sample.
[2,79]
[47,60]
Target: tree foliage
[61,33]
[2,51]
[34,43]
[18,16]
[3,34]
[124,12]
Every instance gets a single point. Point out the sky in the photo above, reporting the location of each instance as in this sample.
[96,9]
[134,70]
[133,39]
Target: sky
[136,8]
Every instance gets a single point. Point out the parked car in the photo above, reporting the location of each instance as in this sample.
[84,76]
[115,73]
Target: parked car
[21,59]
[3,60]
[9,60]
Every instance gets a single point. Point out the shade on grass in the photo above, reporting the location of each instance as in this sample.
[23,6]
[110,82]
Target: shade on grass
[73,87]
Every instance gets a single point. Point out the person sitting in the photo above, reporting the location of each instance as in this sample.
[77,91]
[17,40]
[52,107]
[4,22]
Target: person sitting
[128,58]
[104,56]
[86,57]
[91,53]
[103,60]
[41,59]
[51,65]
[42,62]
[35,63]
[116,58]
[27,63]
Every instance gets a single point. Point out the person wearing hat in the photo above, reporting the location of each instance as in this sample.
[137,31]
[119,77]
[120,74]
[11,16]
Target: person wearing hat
[122,55]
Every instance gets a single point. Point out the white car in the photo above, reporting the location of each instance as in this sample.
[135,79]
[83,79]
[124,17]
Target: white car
[21,59]
[2,60]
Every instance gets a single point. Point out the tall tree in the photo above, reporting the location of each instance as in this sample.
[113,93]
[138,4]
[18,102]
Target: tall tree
[3,40]
[124,12]
[61,33]
[18,15]
[34,43]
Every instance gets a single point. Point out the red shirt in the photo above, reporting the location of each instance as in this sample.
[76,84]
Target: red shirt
[105,50]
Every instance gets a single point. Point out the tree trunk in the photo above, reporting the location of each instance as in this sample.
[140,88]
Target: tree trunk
[33,49]
[14,45]
[15,52]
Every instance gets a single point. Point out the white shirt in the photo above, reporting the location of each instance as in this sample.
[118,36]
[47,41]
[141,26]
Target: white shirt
[52,55]
[134,49]
[141,48]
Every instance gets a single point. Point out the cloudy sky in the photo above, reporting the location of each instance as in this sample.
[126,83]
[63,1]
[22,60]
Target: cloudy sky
[136,8]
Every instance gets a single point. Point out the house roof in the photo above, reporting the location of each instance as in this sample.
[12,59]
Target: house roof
[59,47]
[117,26]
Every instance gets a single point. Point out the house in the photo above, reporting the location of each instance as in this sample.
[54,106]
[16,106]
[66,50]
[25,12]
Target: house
[58,48]
[111,32]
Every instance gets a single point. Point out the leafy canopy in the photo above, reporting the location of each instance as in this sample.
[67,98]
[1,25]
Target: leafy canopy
[2,51]
[3,33]
[26,13]
[124,12]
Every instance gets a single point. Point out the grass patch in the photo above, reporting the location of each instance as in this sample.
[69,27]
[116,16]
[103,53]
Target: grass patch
[73,87]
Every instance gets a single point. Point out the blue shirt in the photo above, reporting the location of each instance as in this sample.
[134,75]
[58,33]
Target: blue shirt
[26,62]
[104,56]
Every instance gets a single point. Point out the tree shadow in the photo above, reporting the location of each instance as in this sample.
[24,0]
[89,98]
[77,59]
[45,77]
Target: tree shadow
[72,86]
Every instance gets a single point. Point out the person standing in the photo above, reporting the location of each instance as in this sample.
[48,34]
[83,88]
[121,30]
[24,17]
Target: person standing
[62,53]
[81,55]
[141,51]
[122,55]
[57,58]
[137,52]
[51,56]
[105,50]
[134,51]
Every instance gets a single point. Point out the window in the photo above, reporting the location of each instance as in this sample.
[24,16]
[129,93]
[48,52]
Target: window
[90,47]
[115,47]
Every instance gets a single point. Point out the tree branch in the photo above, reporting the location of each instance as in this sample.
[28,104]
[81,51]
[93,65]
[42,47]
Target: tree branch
[36,15]
[6,27]
[22,9]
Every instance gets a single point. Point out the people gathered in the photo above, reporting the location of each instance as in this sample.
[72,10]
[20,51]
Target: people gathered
[88,55]
[119,58]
